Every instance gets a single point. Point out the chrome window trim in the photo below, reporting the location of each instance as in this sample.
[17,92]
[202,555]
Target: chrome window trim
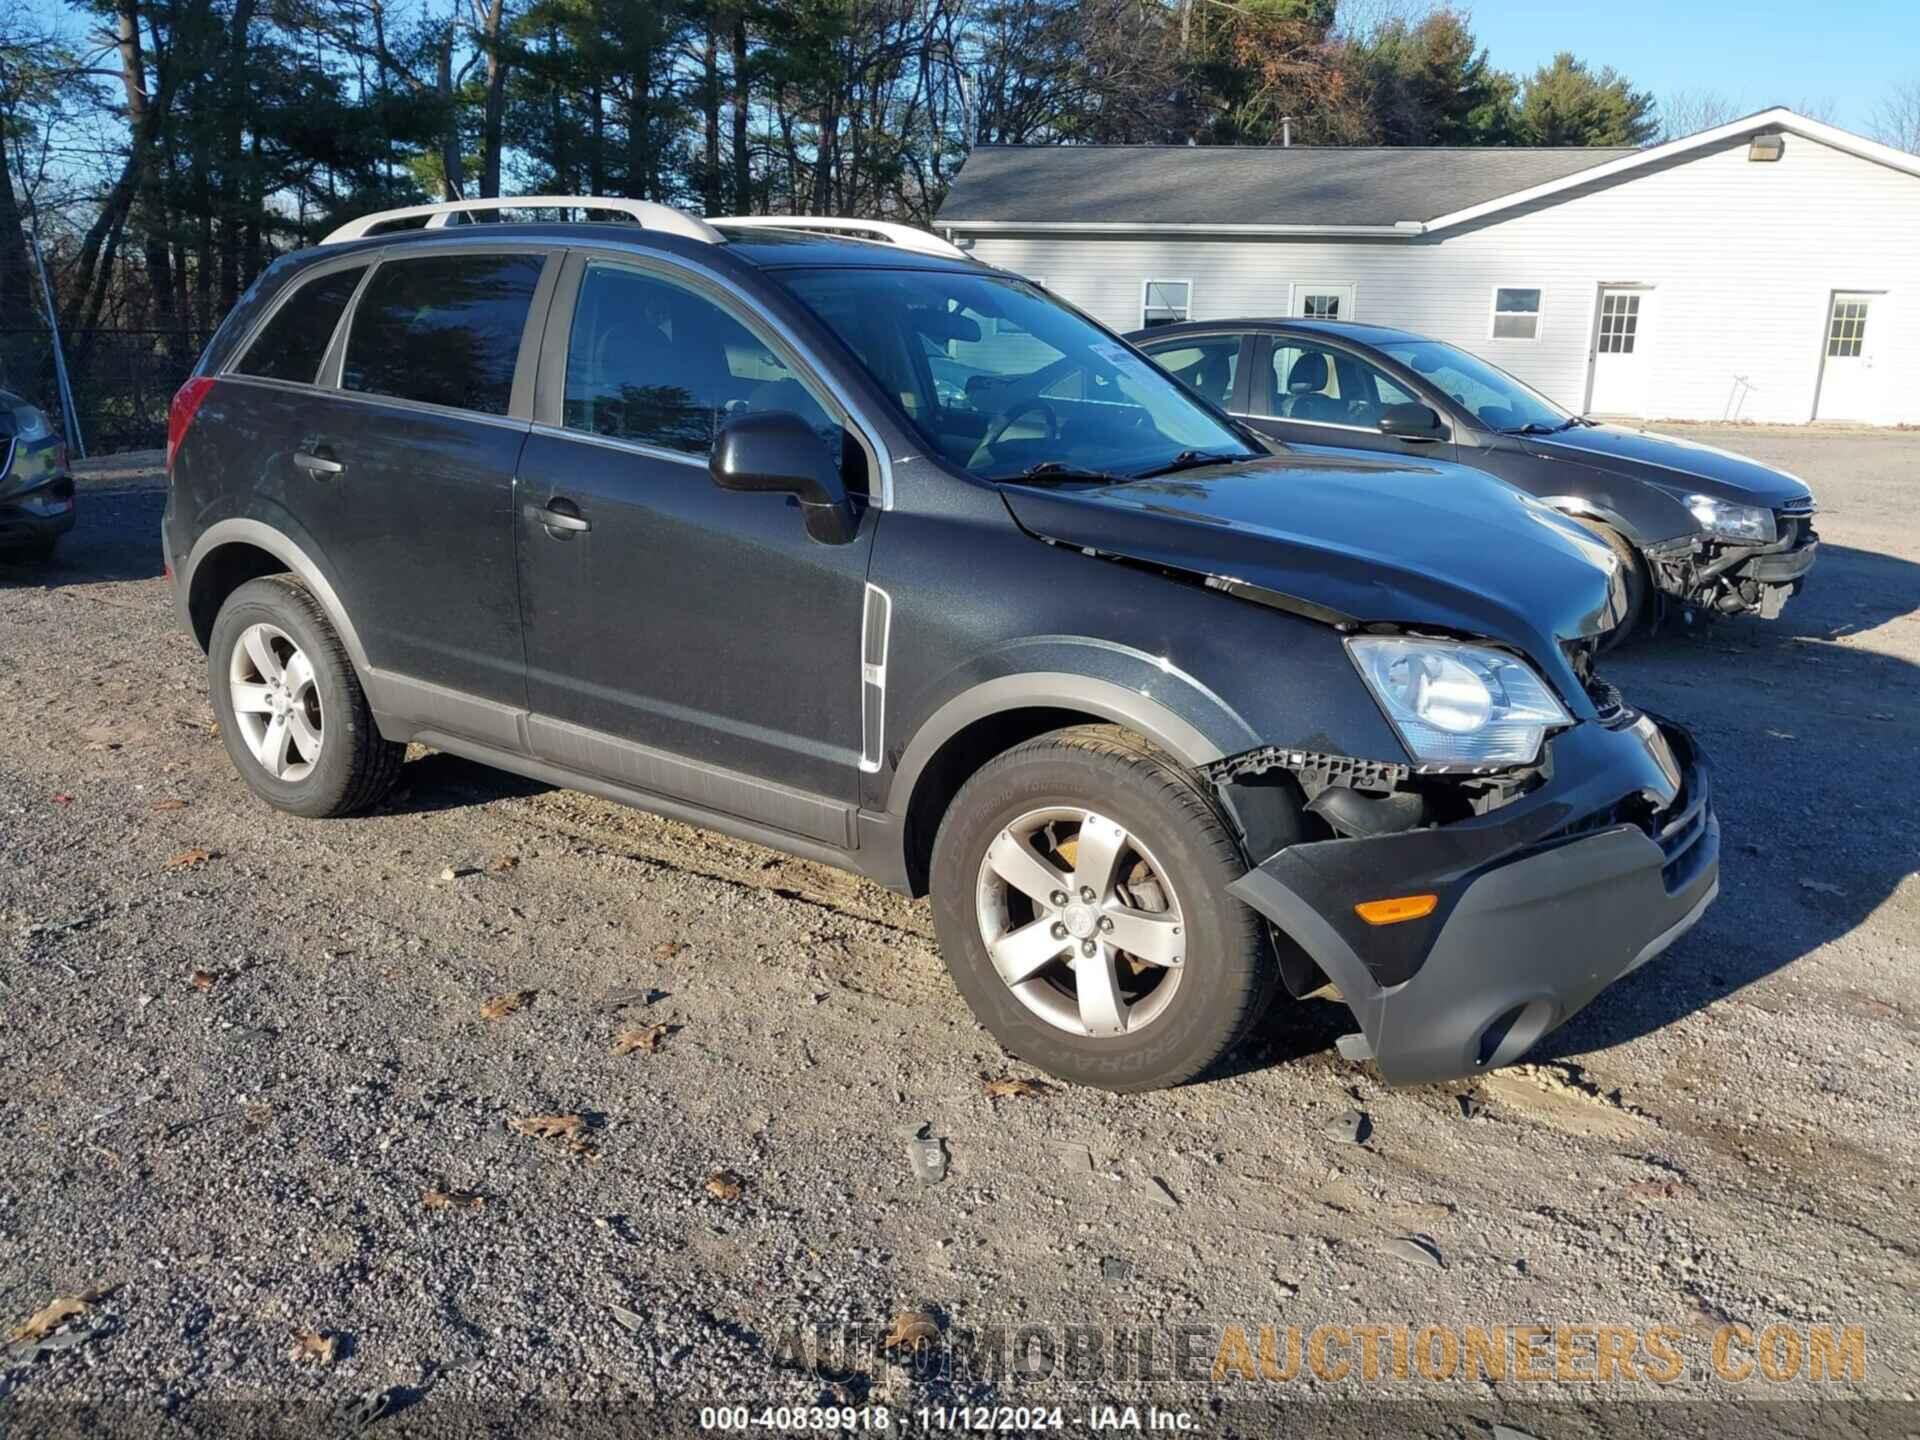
[613,442]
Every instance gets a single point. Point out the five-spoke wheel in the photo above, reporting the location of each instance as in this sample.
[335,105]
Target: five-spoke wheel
[275,701]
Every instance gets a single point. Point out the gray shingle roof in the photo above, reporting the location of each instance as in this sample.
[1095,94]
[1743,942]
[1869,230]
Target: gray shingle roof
[1243,185]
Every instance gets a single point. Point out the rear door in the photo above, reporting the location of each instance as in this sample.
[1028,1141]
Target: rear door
[681,638]
[1307,391]
[402,470]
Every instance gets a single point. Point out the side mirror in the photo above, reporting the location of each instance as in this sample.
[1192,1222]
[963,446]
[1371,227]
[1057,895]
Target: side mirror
[1412,421]
[775,450]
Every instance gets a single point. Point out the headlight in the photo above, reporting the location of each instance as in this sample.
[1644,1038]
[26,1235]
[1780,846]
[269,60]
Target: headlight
[1456,704]
[1732,522]
[30,423]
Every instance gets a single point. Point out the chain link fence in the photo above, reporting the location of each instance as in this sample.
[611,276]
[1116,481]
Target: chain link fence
[121,379]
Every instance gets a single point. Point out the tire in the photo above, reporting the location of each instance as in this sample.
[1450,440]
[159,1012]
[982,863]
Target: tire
[1226,973]
[352,766]
[1639,586]
[31,552]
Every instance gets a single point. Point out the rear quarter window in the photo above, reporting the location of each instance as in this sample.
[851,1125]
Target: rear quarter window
[442,329]
[295,340]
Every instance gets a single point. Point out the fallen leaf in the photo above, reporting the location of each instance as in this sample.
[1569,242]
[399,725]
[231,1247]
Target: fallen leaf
[501,1006]
[628,1041]
[63,799]
[910,1330]
[550,1127]
[311,1347]
[453,1199]
[503,863]
[191,859]
[667,949]
[725,1185]
[205,979]
[1012,1087]
[1657,1189]
[1821,887]
[1783,734]
[1415,1250]
[44,1322]
[259,1115]
[168,805]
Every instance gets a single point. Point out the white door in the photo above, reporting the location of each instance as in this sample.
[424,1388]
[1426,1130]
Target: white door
[1851,386]
[1620,351]
[1323,302]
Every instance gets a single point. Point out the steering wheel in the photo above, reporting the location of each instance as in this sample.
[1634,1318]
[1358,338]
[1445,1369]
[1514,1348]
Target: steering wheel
[1002,421]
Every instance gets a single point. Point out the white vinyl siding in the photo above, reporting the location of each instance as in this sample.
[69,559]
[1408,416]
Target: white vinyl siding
[1745,260]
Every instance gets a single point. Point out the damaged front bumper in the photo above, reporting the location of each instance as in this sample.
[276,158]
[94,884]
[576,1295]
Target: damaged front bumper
[1725,578]
[1542,903]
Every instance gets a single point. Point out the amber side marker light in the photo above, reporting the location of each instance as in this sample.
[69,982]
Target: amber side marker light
[1392,912]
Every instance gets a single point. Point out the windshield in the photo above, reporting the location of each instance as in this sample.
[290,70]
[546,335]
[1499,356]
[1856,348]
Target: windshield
[1006,382]
[1495,397]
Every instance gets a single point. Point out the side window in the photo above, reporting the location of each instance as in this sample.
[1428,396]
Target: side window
[295,340]
[658,364]
[1207,367]
[442,329]
[1329,387]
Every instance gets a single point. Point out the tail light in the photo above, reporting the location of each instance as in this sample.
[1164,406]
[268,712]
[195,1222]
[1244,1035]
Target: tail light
[186,403]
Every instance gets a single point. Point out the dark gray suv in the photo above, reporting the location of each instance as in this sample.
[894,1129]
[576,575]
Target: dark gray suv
[881,557]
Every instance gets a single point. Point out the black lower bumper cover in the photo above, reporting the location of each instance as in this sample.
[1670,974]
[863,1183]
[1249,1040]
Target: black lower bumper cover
[1541,909]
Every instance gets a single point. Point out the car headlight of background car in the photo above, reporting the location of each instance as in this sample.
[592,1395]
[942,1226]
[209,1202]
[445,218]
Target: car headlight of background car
[1458,704]
[1728,521]
[30,423]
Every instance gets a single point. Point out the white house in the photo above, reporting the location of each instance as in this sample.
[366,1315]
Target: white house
[1767,269]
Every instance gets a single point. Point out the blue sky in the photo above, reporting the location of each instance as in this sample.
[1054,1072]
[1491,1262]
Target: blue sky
[1845,53]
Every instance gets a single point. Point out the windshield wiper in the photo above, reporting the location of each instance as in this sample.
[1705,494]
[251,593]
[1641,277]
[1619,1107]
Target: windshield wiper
[1534,427]
[1059,470]
[1193,459]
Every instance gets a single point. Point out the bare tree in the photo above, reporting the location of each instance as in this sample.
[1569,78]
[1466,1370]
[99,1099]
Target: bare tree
[1896,119]
[1688,112]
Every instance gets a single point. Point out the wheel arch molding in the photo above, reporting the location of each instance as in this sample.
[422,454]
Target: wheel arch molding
[238,534]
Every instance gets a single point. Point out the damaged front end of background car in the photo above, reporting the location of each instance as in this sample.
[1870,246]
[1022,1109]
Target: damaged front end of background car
[1746,559]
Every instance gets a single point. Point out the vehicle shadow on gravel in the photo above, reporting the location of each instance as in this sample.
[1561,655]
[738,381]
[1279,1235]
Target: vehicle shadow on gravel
[116,538]
[438,781]
[1812,728]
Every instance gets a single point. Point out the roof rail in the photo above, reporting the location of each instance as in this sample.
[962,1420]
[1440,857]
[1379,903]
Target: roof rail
[642,212]
[887,232]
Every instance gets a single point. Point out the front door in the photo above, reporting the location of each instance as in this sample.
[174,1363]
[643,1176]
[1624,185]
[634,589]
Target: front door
[683,639]
[1323,302]
[1851,386]
[1619,358]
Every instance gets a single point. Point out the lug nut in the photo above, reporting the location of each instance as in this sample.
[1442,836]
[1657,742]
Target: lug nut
[1086,894]
[1059,931]
[1059,898]
[1106,922]
[1087,948]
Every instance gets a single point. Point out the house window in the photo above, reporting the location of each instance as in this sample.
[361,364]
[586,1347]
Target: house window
[1847,332]
[1165,302]
[1320,307]
[1619,323]
[1516,314]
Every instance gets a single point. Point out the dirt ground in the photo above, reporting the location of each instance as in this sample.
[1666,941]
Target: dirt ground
[238,1047]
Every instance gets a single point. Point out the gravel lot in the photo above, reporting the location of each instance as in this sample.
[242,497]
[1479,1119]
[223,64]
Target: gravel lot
[230,1079]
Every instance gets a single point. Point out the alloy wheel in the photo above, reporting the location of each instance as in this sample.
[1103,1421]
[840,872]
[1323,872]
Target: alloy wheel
[276,702]
[1081,922]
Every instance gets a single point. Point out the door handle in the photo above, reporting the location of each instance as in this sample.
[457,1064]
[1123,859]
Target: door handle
[316,464]
[556,521]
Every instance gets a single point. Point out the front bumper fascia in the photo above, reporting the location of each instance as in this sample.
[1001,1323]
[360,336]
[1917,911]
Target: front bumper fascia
[1544,903]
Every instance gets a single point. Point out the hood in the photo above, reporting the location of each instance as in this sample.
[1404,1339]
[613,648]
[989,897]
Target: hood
[1683,465]
[1354,538]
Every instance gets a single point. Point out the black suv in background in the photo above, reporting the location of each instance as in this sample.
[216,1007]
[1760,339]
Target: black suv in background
[1698,530]
[880,557]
